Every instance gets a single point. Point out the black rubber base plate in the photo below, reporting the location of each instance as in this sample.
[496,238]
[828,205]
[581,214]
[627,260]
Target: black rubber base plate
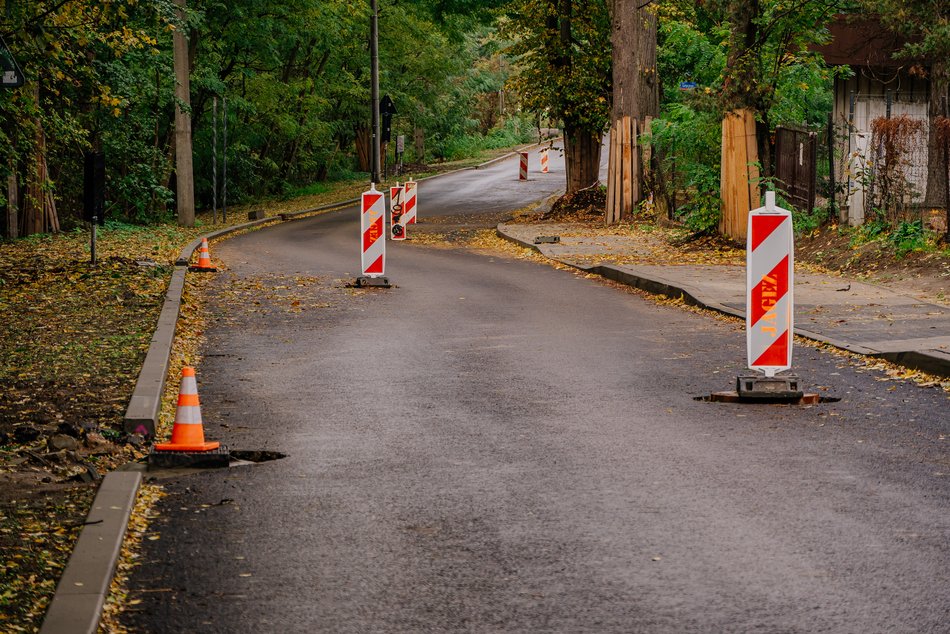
[214,459]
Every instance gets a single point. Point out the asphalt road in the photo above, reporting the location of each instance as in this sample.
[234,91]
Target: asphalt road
[499,446]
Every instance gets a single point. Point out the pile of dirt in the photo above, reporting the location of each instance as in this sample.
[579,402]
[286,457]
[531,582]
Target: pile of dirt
[581,206]
[924,274]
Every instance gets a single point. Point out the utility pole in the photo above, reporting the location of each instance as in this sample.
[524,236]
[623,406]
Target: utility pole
[184,168]
[374,89]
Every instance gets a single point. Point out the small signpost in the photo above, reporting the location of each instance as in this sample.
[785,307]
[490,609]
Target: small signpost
[397,217]
[769,304]
[523,167]
[410,189]
[373,239]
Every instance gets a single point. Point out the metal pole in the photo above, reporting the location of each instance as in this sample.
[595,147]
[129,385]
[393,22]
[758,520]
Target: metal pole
[224,168]
[374,88]
[214,160]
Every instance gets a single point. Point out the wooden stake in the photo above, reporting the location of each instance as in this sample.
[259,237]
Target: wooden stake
[611,167]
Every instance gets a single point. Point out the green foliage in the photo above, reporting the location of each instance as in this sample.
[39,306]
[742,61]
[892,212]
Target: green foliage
[687,142]
[570,82]
[908,236]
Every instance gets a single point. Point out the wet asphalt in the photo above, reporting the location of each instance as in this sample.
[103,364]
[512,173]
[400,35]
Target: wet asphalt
[498,446]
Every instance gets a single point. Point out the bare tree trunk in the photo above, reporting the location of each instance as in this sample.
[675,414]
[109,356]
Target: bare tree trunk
[582,156]
[936,168]
[184,169]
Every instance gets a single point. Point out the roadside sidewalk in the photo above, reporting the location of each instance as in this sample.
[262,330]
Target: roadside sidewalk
[855,316]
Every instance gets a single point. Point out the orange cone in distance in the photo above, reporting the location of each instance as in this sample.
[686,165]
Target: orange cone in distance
[204,258]
[188,433]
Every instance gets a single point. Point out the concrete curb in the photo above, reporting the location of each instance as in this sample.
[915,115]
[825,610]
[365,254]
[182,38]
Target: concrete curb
[84,586]
[931,361]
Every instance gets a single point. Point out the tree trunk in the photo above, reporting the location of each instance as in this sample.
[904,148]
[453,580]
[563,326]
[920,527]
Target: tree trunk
[936,167]
[363,149]
[582,157]
[184,170]
[635,97]
[13,225]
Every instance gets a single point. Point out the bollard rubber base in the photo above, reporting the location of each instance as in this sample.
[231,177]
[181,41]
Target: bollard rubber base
[203,269]
[755,386]
[214,459]
[372,282]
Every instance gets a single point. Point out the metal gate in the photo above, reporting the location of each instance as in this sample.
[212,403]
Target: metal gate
[796,161]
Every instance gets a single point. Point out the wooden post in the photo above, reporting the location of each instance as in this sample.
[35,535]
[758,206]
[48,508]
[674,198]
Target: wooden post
[609,217]
[739,179]
[618,171]
[626,165]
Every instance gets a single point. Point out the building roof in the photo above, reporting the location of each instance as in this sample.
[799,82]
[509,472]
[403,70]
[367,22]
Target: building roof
[857,41]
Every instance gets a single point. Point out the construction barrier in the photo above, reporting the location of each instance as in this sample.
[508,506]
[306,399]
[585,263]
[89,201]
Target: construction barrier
[397,217]
[544,161]
[410,191]
[373,252]
[769,288]
[523,169]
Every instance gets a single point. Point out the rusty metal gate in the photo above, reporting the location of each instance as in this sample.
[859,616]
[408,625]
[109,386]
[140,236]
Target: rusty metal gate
[796,159]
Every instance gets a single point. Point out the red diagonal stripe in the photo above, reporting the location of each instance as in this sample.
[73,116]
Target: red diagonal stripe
[769,290]
[762,228]
[776,354]
[410,203]
[376,267]
[369,200]
[373,233]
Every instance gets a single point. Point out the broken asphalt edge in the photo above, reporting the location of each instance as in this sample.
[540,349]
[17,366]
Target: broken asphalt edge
[84,585]
[931,361]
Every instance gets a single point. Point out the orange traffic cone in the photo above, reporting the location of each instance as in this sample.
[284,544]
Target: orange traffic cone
[204,258]
[188,433]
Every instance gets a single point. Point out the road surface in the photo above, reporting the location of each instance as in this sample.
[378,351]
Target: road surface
[499,446]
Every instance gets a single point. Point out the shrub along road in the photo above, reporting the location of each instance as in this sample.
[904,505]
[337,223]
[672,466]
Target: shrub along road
[499,445]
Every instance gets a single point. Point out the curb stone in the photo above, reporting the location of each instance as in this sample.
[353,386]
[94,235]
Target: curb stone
[84,586]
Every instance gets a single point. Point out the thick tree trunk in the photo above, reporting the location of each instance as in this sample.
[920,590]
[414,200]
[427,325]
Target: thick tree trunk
[635,97]
[13,224]
[936,163]
[582,157]
[184,169]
